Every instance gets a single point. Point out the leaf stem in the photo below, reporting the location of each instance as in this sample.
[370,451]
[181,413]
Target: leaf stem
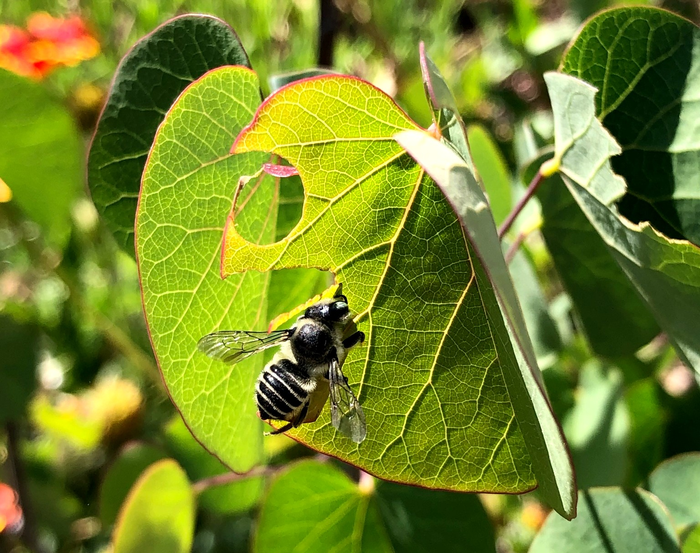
[531,189]
[228,477]
[515,246]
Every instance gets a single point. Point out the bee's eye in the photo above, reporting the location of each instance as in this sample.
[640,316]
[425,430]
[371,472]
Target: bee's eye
[338,310]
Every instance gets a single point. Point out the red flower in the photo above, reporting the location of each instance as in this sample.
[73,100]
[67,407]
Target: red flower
[11,518]
[51,42]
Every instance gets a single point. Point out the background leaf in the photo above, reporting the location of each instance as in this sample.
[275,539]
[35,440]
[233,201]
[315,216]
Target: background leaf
[666,272]
[645,63]
[121,476]
[429,396]
[41,154]
[492,171]
[316,507]
[235,497]
[546,340]
[148,80]
[158,515]
[611,520]
[19,343]
[676,482]
[597,428]
[186,195]
[613,316]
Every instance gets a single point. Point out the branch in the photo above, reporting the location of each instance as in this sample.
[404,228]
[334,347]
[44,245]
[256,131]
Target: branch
[546,170]
[229,477]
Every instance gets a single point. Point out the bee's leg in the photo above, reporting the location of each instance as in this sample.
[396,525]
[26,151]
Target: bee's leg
[281,429]
[293,423]
[353,340]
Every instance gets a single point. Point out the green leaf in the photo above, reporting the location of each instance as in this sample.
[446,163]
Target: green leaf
[41,155]
[645,62]
[121,475]
[187,191]
[492,170]
[613,316]
[446,115]
[597,428]
[691,540]
[420,520]
[610,520]
[232,498]
[19,343]
[316,507]
[676,482]
[647,429]
[666,272]
[148,80]
[158,514]
[428,376]
[278,81]
[546,445]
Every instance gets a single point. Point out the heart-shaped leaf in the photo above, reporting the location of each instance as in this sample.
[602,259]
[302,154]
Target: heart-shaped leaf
[645,63]
[666,272]
[40,154]
[428,376]
[158,514]
[186,194]
[315,507]
[148,80]
[610,520]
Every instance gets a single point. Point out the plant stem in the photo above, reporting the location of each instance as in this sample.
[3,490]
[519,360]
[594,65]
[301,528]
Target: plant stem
[228,477]
[328,25]
[514,247]
[534,184]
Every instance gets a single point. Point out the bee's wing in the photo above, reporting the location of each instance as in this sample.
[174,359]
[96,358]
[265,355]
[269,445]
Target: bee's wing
[346,414]
[233,346]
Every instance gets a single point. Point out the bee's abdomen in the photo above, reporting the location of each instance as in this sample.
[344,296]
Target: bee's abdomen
[279,391]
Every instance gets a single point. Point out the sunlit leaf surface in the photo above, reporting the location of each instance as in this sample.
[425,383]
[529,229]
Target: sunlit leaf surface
[186,196]
[313,507]
[428,376]
[158,514]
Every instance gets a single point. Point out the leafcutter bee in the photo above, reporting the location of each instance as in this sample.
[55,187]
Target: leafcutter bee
[295,385]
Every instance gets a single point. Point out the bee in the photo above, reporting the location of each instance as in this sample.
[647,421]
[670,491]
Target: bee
[295,385]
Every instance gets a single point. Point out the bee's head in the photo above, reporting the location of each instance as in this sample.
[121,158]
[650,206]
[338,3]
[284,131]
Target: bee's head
[329,311]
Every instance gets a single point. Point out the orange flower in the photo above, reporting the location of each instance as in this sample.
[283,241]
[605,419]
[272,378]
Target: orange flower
[49,43]
[10,512]
[13,51]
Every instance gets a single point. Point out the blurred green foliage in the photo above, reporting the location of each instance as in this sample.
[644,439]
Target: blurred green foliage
[81,397]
